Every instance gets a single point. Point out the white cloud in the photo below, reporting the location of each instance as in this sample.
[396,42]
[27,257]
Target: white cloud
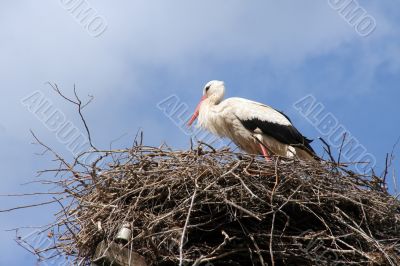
[166,32]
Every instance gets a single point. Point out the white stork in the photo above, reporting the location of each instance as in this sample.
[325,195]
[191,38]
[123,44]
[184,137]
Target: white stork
[254,127]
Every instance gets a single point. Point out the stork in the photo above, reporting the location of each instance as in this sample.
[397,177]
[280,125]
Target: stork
[254,127]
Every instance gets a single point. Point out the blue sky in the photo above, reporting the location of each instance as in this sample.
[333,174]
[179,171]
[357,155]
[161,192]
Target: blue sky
[275,52]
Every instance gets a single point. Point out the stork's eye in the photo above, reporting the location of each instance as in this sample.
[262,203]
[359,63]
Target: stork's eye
[207,87]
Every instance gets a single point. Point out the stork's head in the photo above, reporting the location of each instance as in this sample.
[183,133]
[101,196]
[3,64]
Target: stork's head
[213,92]
[214,89]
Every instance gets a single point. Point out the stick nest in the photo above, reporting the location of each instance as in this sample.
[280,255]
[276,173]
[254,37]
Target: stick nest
[217,207]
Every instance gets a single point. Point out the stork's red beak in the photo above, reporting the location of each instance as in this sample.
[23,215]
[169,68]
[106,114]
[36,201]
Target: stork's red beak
[196,112]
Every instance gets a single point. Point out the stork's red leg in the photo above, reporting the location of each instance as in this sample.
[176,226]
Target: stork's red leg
[265,153]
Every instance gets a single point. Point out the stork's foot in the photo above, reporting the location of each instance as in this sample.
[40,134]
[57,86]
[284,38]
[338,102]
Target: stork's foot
[265,153]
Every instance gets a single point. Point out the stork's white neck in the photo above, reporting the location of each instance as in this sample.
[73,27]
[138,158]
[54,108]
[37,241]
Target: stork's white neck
[210,117]
[206,109]
[213,99]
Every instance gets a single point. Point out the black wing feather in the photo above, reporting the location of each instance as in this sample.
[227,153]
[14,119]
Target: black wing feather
[285,134]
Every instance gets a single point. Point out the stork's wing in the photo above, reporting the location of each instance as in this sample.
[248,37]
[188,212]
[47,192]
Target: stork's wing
[271,122]
[285,134]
